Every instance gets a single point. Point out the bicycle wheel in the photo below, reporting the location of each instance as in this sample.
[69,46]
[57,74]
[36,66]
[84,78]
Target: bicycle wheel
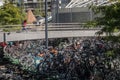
[43,67]
[26,60]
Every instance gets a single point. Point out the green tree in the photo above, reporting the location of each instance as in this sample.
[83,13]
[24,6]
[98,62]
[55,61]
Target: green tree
[10,14]
[38,13]
[109,18]
[39,10]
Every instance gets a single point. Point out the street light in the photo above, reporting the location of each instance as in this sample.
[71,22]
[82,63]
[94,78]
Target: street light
[46,26]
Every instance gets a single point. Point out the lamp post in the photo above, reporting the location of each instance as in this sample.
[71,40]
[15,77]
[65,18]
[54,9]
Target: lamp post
[46,26]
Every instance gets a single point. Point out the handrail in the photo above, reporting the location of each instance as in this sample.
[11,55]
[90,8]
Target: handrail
[55,26]
[48,23]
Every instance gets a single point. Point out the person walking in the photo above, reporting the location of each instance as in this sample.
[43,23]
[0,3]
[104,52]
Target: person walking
[24,24]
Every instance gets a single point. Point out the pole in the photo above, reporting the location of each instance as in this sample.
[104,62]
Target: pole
[20,2]
[46,26]
[4,37]
[57,5]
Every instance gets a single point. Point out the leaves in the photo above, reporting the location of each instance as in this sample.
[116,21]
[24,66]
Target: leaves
[109,17]
[10,14]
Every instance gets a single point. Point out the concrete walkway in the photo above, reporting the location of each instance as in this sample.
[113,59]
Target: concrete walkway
[13,36]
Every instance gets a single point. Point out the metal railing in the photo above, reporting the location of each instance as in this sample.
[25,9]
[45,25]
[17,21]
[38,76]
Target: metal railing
[51,27]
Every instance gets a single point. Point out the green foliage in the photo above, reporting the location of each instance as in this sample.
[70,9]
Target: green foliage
[108,17]
[10,14]
[16,28]
[90,24]
[36,12]
[109,53]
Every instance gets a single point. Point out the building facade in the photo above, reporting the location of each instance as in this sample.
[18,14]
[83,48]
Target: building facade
[37,6]
[77,11]
[57,5]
